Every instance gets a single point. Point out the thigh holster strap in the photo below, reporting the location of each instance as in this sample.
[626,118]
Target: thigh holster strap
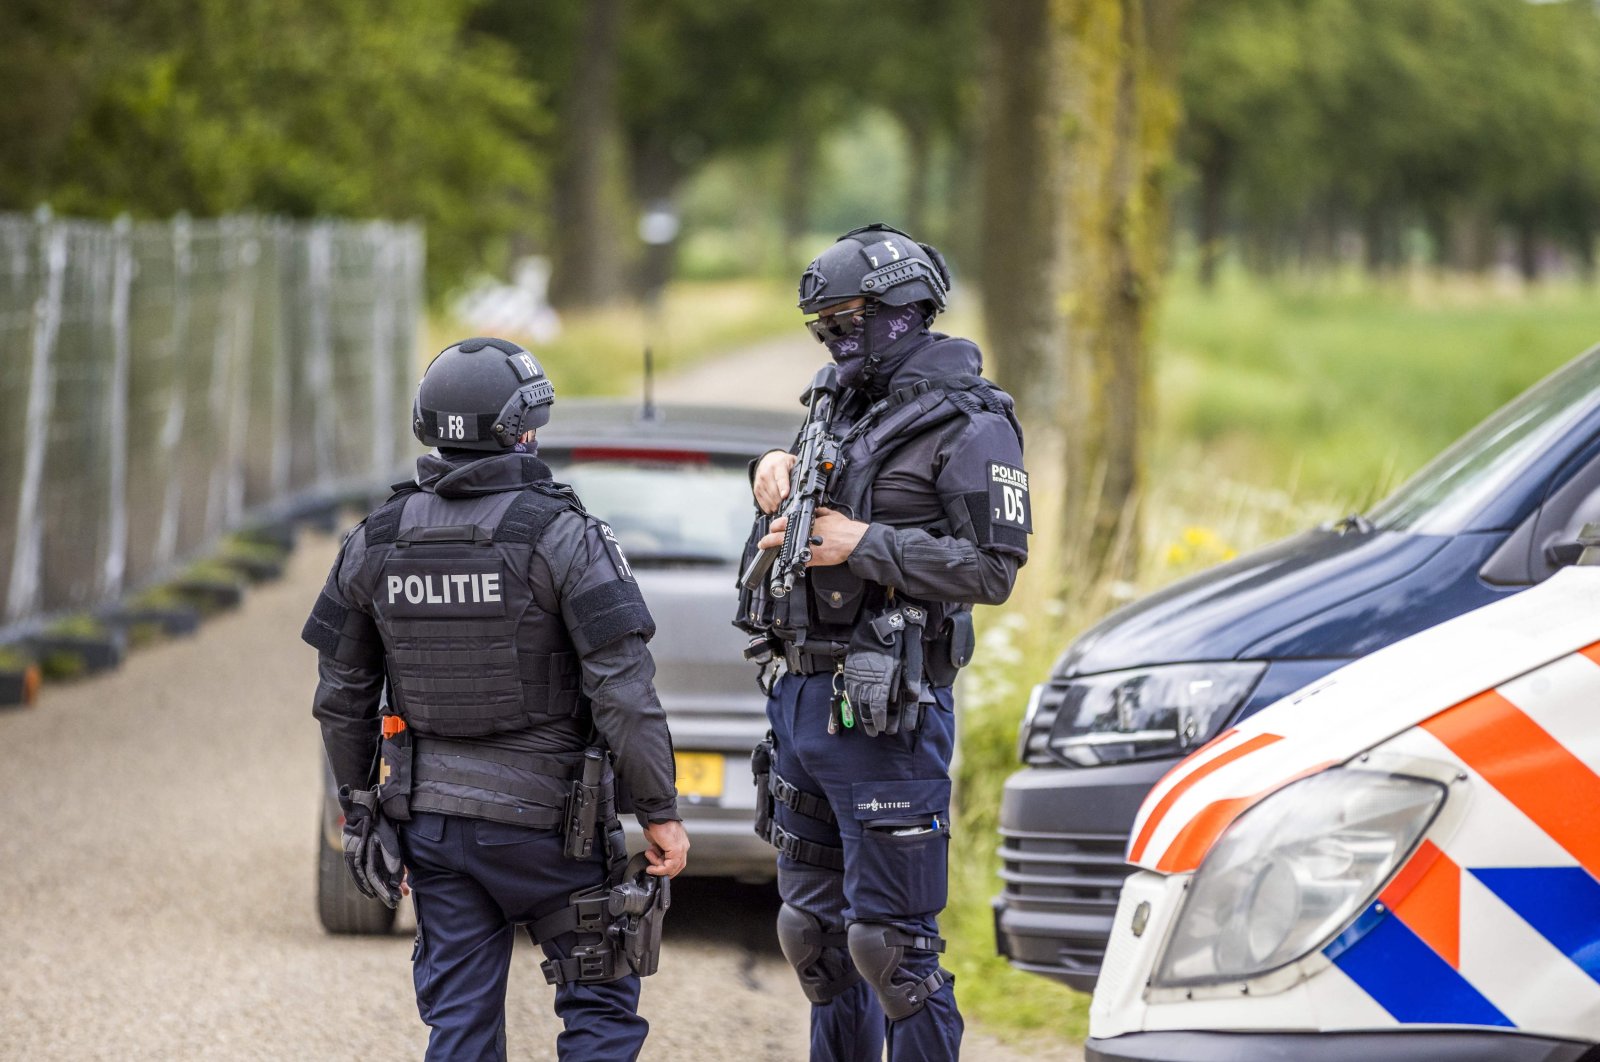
[796,799]
[801,850]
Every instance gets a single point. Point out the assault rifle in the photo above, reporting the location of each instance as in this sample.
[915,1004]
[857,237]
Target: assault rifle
[815,461]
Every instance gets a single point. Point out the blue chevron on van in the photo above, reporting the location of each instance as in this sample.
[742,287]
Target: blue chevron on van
[1562,903]
[1410,981]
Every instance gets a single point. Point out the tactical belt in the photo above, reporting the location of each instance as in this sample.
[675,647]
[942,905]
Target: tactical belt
[453,777]
[936,656]
[561,768]
[804,662]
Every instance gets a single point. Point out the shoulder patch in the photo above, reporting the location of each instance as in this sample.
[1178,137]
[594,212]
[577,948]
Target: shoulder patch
[1008,497]
[614,548]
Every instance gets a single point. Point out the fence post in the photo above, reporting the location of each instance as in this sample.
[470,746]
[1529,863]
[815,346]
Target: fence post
[22,597]
[177,408]
[319,281]
[117,411]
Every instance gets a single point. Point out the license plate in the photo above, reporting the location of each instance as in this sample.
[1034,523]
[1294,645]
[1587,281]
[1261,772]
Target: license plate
[699,775]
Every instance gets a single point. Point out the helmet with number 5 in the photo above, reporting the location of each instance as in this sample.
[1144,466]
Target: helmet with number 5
[881,263]
[481,394]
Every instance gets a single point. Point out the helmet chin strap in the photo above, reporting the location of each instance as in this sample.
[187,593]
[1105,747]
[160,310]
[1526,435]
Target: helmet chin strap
[870,374]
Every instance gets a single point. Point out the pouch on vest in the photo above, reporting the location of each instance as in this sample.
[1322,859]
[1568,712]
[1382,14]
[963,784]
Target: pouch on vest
[394,769]
[836,594]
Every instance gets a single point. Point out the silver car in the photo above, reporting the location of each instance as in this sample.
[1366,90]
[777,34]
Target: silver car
[674,487]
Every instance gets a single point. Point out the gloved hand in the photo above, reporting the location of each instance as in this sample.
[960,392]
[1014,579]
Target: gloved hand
[371,846]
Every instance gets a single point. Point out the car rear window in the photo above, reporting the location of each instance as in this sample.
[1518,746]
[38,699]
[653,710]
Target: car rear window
[670,510]
[1454,487]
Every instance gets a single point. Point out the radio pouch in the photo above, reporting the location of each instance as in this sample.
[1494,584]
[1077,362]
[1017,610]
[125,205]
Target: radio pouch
[582,816]
[394,769]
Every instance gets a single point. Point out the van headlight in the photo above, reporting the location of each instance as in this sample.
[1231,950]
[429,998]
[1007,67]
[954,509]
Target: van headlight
[1142,713]
[1289,874]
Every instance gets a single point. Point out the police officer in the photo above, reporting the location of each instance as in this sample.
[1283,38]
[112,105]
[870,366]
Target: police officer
[927,516]
[503,628]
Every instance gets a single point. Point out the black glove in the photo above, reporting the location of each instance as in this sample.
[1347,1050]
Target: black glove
[371,846]
[872,673]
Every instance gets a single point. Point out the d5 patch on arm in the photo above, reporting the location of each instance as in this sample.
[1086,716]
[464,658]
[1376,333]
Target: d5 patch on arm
[985,487]
[1008,497]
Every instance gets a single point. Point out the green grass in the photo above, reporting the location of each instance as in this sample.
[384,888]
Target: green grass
[1339,390]
[1277,406]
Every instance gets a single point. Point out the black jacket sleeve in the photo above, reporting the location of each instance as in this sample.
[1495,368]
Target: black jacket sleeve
[984,491]
[349,671]
[610,626]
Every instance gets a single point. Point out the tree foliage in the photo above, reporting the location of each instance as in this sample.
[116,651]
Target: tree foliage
[298,107]
[1453,117]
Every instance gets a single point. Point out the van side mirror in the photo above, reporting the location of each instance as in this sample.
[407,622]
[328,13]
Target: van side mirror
[1563,554]
[1589,539]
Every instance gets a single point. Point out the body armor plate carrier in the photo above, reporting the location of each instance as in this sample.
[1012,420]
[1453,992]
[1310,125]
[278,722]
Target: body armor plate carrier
[474,661]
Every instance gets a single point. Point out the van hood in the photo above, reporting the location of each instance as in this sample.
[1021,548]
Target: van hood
[1224,611]
[1359,707]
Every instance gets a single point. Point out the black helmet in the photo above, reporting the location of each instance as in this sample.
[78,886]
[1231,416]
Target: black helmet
[880,262]
[481,394]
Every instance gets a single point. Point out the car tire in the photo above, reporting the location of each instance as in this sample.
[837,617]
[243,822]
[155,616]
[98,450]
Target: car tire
[340,906]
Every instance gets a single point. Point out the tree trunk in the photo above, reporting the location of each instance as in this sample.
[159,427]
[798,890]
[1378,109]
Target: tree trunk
[799,172]
[1583,247]
[962,197]
[656,175]
[1121,107]
[1018,250]
[919,172]
[1528,251]
[587,261]
[1210,219]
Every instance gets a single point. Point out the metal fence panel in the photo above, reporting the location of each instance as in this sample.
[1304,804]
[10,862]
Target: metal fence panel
[163,379]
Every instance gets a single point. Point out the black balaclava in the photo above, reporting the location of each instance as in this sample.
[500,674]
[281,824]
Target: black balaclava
[881,334]
[457,456]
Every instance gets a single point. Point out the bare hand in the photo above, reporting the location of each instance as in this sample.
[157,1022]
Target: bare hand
[668,852]
[772,480]
[840,535]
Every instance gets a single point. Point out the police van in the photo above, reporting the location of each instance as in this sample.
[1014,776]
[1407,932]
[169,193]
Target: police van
[1400,861]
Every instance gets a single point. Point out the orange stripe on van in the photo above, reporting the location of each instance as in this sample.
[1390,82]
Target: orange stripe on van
[1591,651]
[1244,748]
[1426,895]
[1196,838]
[1530,768]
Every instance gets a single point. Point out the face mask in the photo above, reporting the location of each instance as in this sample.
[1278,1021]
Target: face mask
[882,329]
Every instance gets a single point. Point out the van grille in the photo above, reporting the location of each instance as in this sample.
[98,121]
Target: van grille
[1068,874]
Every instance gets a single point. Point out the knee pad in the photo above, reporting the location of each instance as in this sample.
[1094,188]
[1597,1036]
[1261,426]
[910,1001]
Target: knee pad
[817,956]
[878,951]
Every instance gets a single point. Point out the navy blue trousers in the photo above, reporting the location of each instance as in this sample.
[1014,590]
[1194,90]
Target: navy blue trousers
[875,786]
[472,882]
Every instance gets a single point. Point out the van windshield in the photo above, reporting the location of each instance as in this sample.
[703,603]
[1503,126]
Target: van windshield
[1453,488]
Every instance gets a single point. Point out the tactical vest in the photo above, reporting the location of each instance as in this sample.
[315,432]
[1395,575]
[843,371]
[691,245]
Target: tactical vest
[921,412]
[473,660]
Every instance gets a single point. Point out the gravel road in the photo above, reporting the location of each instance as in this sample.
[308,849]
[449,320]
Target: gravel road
[156,866]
